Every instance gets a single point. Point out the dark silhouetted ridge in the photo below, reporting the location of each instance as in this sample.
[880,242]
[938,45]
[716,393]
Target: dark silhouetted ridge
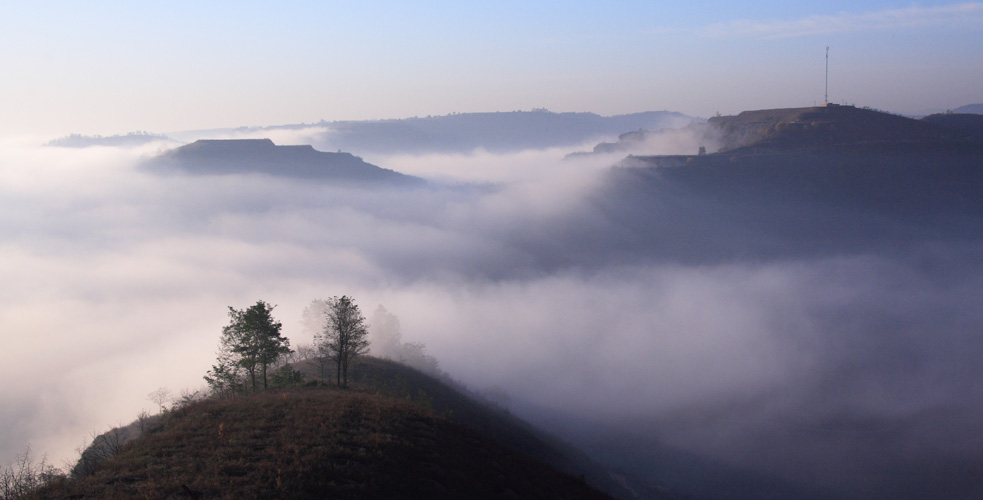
[802,182]
[261,156]
[829,128]
[967,123]
[970,108]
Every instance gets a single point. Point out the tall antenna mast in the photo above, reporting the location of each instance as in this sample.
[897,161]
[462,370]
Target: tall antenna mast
[826,96]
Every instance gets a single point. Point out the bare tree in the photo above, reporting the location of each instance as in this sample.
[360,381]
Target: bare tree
[306,351]
[25,476]
[315,322]
[160,397]
[345,335]
[103,447]
[187,397]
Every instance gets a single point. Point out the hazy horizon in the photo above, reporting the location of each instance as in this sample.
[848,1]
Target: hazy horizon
[116,67]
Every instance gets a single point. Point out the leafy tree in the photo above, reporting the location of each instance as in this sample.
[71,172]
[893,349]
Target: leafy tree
[255,342]
[225,378]
[345,335]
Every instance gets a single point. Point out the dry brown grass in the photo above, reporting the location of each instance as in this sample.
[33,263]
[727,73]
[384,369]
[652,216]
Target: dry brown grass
[318,443]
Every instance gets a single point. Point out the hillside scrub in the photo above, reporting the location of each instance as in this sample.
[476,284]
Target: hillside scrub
[317,443]
[26,476]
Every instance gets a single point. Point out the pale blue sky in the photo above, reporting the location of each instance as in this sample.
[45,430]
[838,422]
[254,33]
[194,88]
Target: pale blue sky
[113,67]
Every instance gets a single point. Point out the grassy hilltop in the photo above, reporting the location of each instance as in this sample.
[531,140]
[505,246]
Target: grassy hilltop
[397,433]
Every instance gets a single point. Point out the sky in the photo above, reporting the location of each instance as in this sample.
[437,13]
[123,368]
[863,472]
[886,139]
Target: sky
[115,67]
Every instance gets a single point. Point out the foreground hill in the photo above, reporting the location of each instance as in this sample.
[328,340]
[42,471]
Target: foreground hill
[457,404]
[398,433]
[261,156]
[319,444]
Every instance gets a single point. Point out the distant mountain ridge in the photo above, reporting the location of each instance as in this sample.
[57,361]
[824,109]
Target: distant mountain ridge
[130,140]
[976,109]
[262,156]
[804,181]
[461,133]
[495,132]
[831,127]
[818,128]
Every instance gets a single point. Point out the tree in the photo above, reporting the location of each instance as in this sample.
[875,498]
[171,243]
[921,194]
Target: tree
[225,378]
[26,476]
[255,342]
[345,335]
[160,396]
[287,376]
[387,342]
[315,321]
[386,338]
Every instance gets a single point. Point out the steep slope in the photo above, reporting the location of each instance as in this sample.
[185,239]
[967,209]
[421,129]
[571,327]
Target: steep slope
[318,443]
[397,433]
[384,377]
[261,156]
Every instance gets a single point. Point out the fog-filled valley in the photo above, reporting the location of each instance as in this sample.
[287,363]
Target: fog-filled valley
[730,340]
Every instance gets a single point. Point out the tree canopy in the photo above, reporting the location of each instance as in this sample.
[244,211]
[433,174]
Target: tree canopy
[251,341]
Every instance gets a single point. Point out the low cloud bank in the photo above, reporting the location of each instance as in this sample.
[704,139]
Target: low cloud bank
[117,283]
